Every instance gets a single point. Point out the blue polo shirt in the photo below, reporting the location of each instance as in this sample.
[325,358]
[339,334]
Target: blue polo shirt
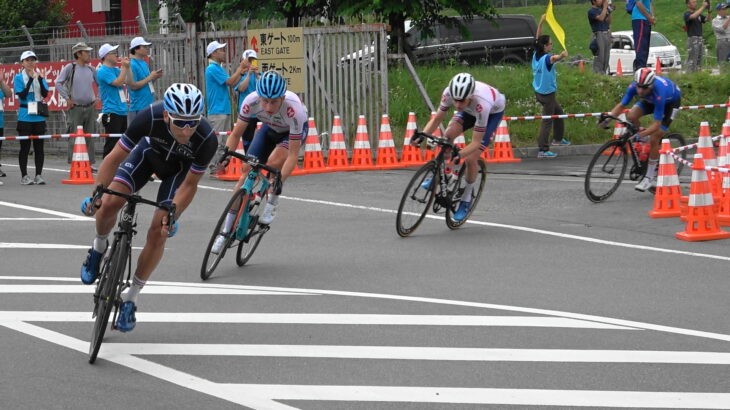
[251,88]
[216,90]
[111,103]
[636,14]
[141,98]
[19,86]
[597,25]
[544,76]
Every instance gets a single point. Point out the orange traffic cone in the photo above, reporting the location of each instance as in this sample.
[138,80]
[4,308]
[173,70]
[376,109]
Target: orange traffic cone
[503,145]
[618,131]
[410,155]
[337,154]
[658,66]
[668,190]
[723,213]
[726,128]
[313,162]
[386,156]
[727,111]
[233,170]
[80,167]
[702,224]
[581,66]
[707,149]
[619,69]
[362,157]
[432,151]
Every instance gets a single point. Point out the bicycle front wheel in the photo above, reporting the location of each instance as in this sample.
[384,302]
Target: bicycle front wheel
[416,199]
[254,231]
[211,260]
[606,170]
[458,192]
[106,293]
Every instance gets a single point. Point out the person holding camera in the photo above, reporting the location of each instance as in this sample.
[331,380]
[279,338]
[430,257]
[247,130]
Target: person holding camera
[721,27]
[111,80]
[599,17]
[693,20]
[31,89]
[140,78]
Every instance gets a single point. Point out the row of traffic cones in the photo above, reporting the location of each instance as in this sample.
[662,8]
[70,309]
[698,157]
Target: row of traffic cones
[620,70]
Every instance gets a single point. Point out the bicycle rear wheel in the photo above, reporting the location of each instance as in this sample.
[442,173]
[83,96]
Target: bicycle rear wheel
[107,288]
[254,232]
[606,170]
[416,199]
[211,260]
[458,191]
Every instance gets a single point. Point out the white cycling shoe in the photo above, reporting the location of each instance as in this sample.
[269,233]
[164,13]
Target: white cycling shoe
[218,244]
[269,213]
[646,183]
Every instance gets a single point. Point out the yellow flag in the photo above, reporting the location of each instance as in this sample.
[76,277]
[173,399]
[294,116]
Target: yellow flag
[554,26]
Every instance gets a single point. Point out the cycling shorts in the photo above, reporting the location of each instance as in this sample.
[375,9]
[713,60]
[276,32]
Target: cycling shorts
[669,111]
[136,170]
[467,121]
[266,139]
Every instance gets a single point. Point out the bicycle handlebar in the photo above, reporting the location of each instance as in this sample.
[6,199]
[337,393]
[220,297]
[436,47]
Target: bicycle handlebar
[444,142]
[629,126]
[253,162]
[134,198]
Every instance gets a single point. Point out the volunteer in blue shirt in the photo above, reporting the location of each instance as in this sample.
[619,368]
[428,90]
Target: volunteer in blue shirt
[5,92]
[141,89]
[31,89]
[545,84]
[658,96]
[246,86]
[113,97]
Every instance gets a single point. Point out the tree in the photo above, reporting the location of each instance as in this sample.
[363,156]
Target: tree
[33,13]
[192,11]
[292,10]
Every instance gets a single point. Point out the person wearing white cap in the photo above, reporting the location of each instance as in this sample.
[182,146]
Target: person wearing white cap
[217,87]
[721,28]
[140,78]
[5,92]
[31,89]
[111,81]
[246,86]
[75,84]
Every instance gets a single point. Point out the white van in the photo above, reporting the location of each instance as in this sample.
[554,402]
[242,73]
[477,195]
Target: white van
[622,47]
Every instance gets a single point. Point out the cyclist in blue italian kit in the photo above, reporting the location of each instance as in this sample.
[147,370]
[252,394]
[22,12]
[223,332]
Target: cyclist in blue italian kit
[658,96]
[171,139]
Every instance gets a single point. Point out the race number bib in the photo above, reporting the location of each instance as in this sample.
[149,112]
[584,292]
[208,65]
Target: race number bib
[152,87]
[122,95]
[32,108]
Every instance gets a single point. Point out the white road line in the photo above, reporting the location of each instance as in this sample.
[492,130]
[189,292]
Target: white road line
[422,353]
[46,211]
[44,219]
[321,319]
[149,289]
[21,245]
[490,396]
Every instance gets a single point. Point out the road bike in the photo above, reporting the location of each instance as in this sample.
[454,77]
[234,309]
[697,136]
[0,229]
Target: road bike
[112,282]
[437,185]
[609,164]
[246,231]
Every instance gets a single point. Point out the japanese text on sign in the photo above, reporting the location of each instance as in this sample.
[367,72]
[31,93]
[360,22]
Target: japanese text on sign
[281,49]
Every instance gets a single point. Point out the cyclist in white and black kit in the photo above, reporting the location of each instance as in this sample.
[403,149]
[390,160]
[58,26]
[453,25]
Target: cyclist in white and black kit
[479,106]
[277,143]
[171,139]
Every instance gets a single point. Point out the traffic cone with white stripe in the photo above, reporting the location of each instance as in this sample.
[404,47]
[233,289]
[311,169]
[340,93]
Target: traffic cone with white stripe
[727,111]
[362,156]
[233,170]
[503,145]
[432,150]
[337,153]
[80,166]
[702,224]
[386,156]
[618,131]
[668,190]
[707,149]
[410,155]
[313,162]
[723,213]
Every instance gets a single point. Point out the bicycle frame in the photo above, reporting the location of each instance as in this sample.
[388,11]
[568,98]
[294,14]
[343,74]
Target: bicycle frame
[254,175]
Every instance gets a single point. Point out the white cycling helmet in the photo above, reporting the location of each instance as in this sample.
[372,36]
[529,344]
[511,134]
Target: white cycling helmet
[644,77]
[184,100]
[462,86]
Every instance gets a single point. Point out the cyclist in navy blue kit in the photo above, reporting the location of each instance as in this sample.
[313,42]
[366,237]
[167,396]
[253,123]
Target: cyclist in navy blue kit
[171,139]
[658,96]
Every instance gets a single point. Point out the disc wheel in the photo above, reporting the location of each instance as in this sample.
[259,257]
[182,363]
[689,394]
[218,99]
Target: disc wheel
[416,199]
[458,191]
[606,171]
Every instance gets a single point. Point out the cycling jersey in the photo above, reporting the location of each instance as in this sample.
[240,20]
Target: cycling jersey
[664,93]
[291,117]
[485,101]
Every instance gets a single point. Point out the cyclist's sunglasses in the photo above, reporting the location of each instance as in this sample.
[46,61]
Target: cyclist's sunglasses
[643,87]
[185,122]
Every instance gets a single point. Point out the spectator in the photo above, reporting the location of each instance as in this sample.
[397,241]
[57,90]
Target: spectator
[139,81]
[5,92]
[217,86]
[642,18]
[722,33]
[31,89]
[545,84]
[246,86]
[113,98]
[693,20]
[76,86]
[599,17]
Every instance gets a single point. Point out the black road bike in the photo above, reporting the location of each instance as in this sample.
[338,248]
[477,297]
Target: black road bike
[432,186]
[610,163]
[112,282]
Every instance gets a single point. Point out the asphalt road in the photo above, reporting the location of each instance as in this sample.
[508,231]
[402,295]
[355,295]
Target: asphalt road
[543,299]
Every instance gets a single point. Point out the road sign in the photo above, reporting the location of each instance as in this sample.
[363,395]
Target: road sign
[281,49]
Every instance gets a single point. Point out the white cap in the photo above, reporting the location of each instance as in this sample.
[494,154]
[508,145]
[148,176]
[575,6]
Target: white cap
[249,54]
[212,46]
[27,54]
[139,41]
[106,49]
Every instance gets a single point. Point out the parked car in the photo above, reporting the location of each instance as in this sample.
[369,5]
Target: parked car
[622,47]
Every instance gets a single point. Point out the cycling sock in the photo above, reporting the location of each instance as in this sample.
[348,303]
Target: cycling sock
[137,285]
[230,217]
[274,199]
[652,168]
[466,197]
[100,243]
